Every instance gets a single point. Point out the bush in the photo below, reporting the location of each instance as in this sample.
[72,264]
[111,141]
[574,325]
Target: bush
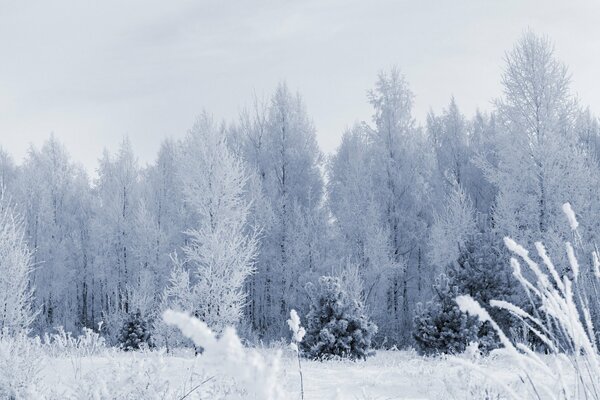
[337,324]
[63,343]
[21,361]
[134,333]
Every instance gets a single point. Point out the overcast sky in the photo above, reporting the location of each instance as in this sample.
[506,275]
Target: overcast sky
[93,72]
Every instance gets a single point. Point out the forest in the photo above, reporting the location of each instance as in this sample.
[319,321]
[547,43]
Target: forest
[240,222]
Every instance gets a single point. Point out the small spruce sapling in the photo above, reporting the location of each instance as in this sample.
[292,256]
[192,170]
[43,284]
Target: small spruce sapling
[298,333]
[134,333]
[337,323]
[440,326]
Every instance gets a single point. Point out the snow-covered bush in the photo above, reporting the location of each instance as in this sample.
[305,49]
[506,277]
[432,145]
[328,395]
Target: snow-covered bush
[254,377]
[134,333]
[440,326]
[572,370]
[21,361]
[61,343]
[128,378]
[337,323]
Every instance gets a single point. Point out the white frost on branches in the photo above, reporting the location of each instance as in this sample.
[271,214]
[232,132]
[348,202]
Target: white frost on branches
[16,311]
[222,247]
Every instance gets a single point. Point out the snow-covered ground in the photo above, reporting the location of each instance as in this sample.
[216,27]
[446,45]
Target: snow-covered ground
[387,375]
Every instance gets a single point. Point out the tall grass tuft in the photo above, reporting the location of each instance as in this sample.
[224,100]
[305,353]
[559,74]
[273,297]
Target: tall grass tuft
[563,323]
[256,377]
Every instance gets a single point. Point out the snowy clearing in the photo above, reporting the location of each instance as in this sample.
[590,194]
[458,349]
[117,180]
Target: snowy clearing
[388,375]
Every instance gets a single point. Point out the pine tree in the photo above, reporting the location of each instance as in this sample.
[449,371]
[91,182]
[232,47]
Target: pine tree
[440,326]
[134,333]
[479,271]
[337,323]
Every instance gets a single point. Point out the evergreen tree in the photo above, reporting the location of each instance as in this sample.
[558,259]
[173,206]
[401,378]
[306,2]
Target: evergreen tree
[134,333]
[337,323]
[440,326]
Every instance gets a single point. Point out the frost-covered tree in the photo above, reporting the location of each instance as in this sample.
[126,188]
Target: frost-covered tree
[449,134]
[278,142]
[17,311]
[587,127]
[117,189]
[482,141]
[452,228]
[221,247]
[402,170]
[362,236]
[8,170]
[380,185]
[53,195]
[165,209]
[458,144]
[540,163]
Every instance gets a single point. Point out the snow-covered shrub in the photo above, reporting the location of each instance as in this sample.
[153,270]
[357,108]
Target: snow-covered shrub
[21,361]
[572,370]
[440,326]
[337,323]
[254,377]
[134,333]
[124,378]
[63,343]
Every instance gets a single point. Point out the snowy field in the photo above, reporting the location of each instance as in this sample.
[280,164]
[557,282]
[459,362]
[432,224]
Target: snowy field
[388,375]
[262,239]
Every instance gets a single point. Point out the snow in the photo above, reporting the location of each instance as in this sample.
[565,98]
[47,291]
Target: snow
[387,375]
[570,216]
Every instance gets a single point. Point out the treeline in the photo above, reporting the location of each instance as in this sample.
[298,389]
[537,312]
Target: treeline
[235,220]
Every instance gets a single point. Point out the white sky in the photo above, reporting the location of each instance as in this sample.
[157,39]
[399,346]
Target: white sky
[93,72]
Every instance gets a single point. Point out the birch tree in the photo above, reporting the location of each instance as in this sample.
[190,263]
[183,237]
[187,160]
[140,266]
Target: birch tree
[221,247]
[16,266]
